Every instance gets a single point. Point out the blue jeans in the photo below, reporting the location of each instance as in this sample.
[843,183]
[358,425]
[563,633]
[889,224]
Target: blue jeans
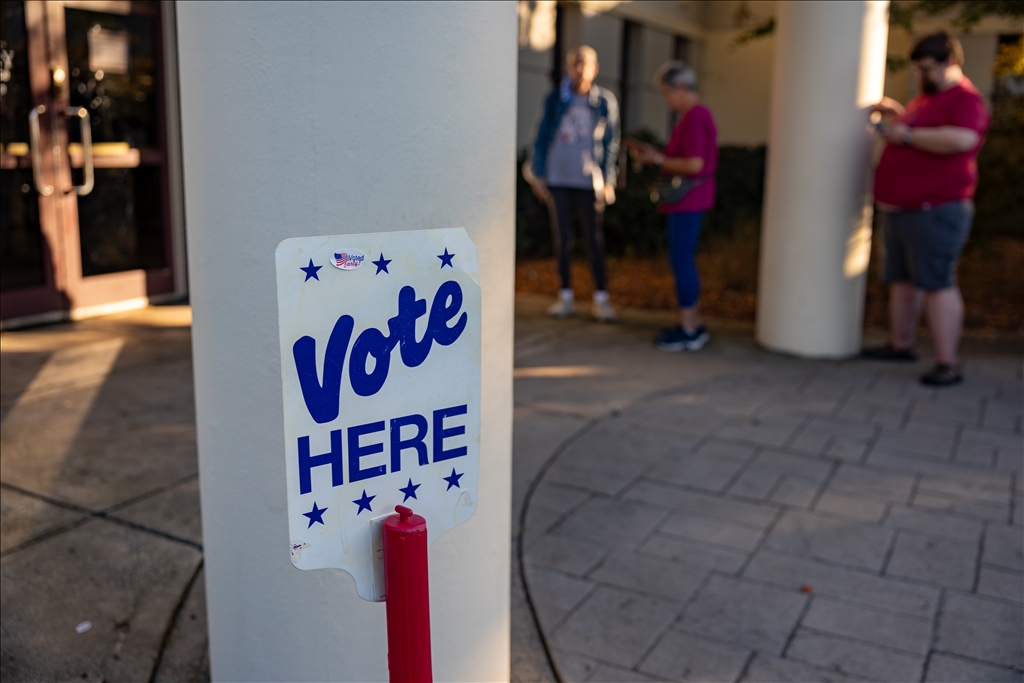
[683,233]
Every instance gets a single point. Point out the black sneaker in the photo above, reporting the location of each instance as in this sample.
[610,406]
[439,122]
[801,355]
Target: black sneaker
[942,375]
[678,339]
[889,352]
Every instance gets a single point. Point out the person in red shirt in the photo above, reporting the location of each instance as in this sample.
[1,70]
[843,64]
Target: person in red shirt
[691,154]
[924,185]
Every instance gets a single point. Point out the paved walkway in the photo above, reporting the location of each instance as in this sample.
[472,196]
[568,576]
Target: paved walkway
[717,516]
[100,546]
[737,515]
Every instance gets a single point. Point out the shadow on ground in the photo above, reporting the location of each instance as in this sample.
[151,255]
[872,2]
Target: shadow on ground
[726,515]
[735,515]
[101,553]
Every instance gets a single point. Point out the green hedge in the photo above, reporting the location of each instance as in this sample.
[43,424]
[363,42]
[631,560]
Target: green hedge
[999,202]
[633,226]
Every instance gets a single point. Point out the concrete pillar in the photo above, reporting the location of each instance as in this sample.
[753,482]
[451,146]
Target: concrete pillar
[816,237]
[320,119]
[572,28]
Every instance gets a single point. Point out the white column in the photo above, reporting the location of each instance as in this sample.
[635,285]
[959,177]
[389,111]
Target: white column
[816,237]
[319,119]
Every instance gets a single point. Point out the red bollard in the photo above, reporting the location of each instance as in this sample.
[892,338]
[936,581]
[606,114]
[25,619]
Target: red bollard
[407,597]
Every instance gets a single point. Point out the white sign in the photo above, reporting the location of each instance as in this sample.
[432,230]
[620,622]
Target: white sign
[380,366]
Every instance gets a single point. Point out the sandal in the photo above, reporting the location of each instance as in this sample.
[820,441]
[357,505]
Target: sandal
[942,376]
[889,352]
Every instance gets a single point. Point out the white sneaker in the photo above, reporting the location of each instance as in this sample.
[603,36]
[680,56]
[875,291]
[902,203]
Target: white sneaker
[603,311]
[563,308]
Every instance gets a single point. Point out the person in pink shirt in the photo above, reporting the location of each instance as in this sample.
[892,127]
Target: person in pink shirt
[691,156]
[924,186]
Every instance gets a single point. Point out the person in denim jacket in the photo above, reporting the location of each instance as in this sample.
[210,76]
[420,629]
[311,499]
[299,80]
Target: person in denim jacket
[575,163]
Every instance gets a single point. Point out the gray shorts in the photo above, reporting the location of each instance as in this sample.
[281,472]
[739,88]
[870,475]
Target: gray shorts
[922,246]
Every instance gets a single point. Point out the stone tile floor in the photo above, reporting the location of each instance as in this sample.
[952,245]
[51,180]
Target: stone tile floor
[750,517]
[727,515]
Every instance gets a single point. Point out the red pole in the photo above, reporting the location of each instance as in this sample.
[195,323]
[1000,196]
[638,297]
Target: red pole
[407,597]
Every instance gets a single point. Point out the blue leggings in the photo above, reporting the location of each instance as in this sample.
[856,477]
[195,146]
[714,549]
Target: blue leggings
[683,232]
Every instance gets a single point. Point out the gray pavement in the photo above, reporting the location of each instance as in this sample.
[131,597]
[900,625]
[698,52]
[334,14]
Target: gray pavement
[735,515]
[726,515]
[100,542]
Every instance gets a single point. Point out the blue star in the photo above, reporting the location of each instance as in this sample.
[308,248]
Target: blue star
[410,490]
[446,259]
[317,515]
[364,502]
[453,479]
[310,272]
[382,264]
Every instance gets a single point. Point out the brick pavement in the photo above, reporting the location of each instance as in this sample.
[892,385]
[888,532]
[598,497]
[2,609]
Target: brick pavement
[777,520]
[750,475]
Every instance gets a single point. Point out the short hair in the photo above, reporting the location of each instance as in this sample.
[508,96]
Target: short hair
[940,46]
[588,53]
[675,73]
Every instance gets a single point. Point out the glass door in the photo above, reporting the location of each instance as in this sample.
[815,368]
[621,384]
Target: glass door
[102,106]
[31,284]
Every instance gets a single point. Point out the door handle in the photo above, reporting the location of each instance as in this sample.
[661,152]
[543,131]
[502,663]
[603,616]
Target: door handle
[37,155]
[87,168]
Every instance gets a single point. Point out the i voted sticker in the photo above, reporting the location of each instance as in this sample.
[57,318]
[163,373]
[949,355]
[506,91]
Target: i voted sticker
[348,259]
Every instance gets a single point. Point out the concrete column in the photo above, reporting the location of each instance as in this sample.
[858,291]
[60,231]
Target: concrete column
[816,237]
[319,119]
[572,28]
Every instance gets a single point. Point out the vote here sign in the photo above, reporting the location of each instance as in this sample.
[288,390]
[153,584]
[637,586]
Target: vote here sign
[380,369]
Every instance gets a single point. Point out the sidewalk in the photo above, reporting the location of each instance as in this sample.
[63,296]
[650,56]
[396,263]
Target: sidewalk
[738,515]
[730,514]
[100,546]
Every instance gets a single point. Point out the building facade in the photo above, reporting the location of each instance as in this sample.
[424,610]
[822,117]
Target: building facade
[95,224]
[633,38]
